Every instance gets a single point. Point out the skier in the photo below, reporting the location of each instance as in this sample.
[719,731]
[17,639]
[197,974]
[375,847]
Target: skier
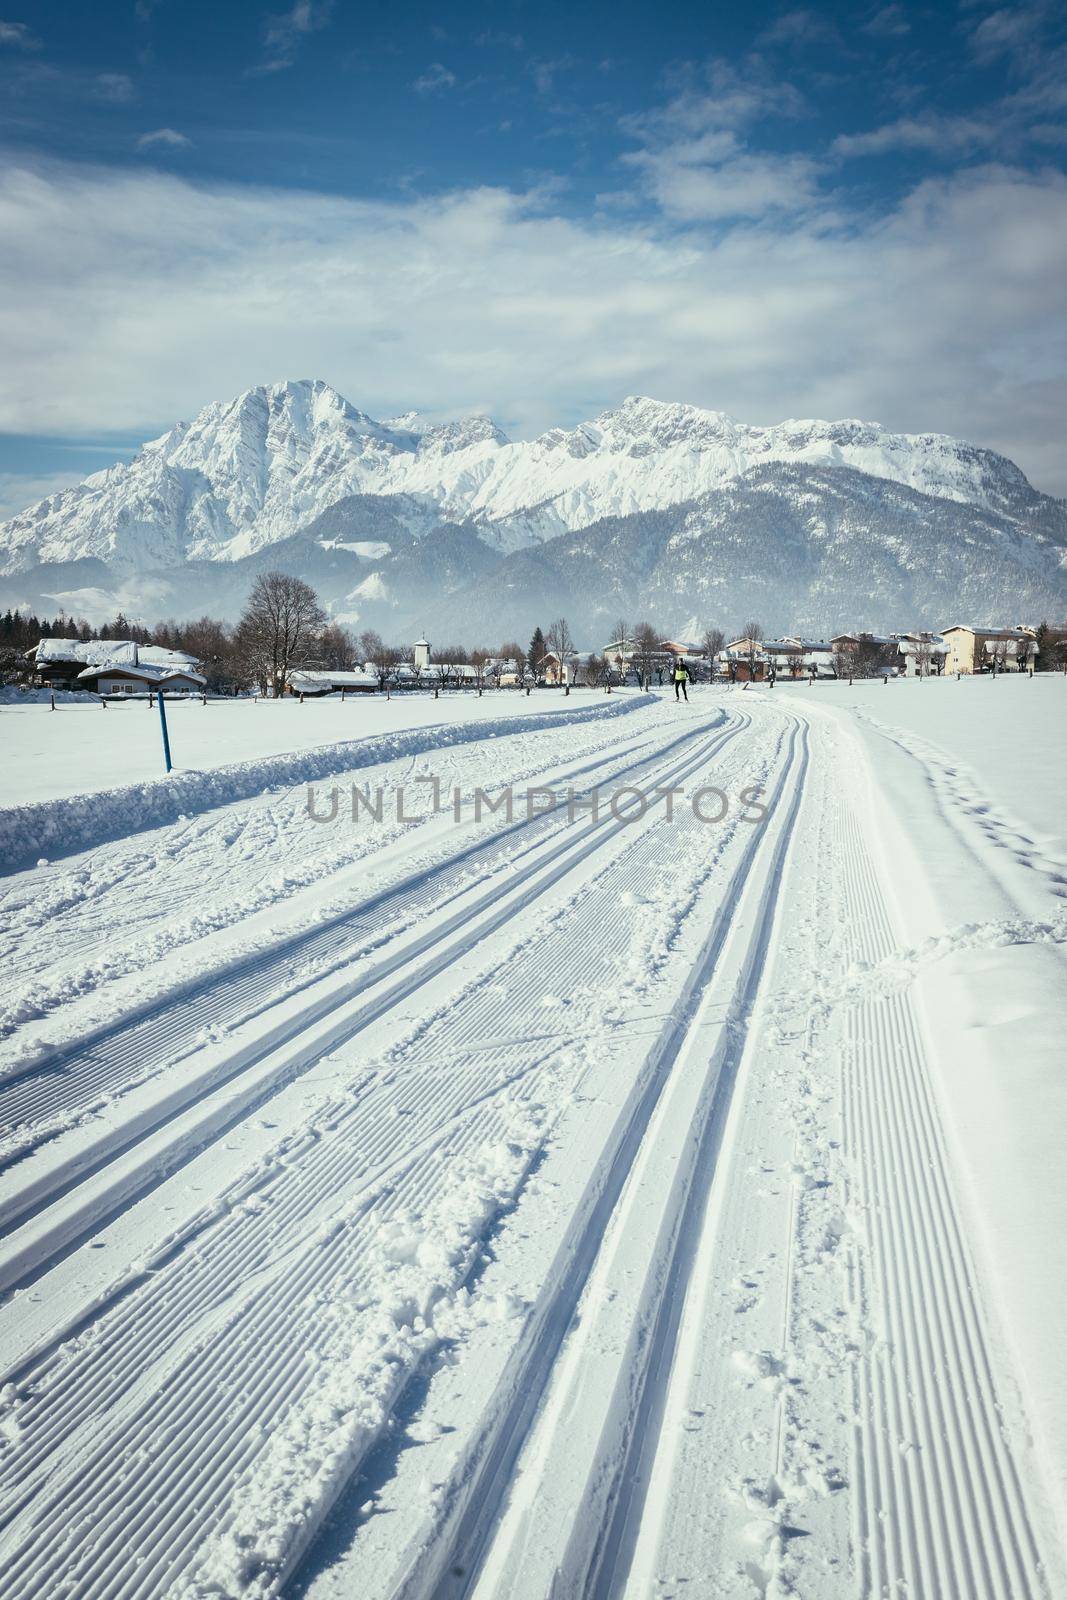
[681,678]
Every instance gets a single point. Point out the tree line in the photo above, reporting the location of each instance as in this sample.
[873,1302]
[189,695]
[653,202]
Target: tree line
[285,626]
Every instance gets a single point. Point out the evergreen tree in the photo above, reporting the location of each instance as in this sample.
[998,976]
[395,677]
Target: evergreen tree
[536,653]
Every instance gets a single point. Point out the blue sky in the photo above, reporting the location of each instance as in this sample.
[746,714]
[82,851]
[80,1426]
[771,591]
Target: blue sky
[532,209]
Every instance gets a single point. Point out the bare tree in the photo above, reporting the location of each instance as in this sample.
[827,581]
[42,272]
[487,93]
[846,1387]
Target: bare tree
[560,642]
[337,648]
[281,625]
[211,642]
[596,667]
[844,659]
[712,643]
[453,654]
[368,645]
[621,646]
[479,660]
[922,654]
[646,643]
[873,657]
[382,658]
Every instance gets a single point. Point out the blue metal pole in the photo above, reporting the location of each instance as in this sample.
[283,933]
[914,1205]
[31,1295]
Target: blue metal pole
[163,725]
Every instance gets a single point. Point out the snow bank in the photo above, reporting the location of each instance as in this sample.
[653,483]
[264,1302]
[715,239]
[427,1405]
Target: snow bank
[62,827]
[11,694]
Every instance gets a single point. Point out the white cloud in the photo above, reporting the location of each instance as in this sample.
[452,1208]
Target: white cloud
[714,178]
[692,161]
[169,138]
[434,79]
[544,72]
[19,36]
[128,298]
[284,33]
[942,136]
[800,27]
[719,95]
[1011,32]
[21,489]
[888,22]
[114,87]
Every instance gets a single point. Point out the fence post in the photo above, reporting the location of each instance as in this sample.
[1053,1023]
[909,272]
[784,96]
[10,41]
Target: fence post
[166,736]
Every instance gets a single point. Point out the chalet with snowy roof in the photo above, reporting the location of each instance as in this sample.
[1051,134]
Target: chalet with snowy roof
[976,649]
[744,661]
[675,648]
[922,654]
[309,682]
[798,658]
[437,674]
[114,666]
[560,671]
[123,680]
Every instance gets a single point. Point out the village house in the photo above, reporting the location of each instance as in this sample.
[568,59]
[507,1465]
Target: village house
[307,681]
[869,655]
[620,655]
[744,661]
[130,668]
[922,655]
[918,654]
[976,649]
[557,672]
[438,674]
[108,681]
[791,657]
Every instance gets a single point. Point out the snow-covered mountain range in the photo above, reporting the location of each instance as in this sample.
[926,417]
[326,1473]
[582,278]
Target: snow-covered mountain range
[403,523]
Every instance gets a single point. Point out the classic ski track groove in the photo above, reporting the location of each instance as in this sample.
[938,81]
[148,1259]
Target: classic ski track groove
[547,852]
[940,1510]
[70,1079]
[88,1493]
[141,1416]
[452,1567]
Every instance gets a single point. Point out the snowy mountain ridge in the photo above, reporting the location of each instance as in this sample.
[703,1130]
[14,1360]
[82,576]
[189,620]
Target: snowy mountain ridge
[248,473]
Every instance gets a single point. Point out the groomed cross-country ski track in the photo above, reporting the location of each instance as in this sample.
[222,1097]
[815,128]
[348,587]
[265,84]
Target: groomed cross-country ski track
[544,1205]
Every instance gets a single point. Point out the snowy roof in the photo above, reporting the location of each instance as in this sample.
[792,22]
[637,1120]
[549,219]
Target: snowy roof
[990,633]
[110,652]
[462,669]
[913,641]
[313,679]
[148,671]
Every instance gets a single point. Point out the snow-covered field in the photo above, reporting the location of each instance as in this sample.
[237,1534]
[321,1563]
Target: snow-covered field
[655,1205]
[82,753]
